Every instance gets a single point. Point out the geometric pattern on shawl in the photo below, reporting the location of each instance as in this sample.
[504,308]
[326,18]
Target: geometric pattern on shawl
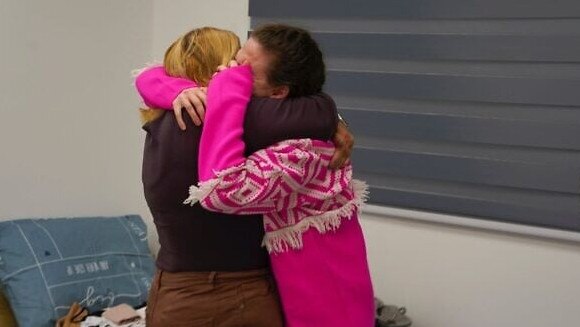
[291,185]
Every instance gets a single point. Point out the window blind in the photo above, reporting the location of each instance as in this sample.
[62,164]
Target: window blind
[468,107]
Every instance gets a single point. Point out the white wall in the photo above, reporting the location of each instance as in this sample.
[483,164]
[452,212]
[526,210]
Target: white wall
[71,146]
[173,18]
[458,277]
[70,137]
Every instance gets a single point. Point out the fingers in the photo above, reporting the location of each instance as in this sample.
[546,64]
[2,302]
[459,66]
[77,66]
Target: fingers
[231,63]
[193,100]
[195,105]
[344,142]
[336,161]
[190,107]
[177,113]
[201,95]
[339,158]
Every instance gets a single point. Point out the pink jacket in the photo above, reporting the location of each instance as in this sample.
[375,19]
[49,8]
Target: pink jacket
[290,182]
[167,87]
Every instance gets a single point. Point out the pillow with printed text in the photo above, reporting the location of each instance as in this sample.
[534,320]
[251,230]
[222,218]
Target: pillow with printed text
[47,264]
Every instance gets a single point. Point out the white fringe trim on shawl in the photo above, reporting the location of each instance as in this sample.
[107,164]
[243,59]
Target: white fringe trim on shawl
[281,240]
[198,192]
[290,237]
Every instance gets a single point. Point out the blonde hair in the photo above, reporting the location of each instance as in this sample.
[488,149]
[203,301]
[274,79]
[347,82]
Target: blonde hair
[195,56]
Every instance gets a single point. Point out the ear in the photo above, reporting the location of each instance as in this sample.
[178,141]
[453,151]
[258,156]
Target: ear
[280,92]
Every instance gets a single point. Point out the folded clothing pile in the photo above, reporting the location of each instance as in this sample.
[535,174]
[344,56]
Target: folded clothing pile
[121,315]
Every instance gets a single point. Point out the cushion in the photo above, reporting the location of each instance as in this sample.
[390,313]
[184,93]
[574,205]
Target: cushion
[6,316]
[47,264]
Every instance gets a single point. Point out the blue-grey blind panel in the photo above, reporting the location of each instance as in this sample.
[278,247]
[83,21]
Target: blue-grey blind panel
[393,9]
[505,89]
[486,169]
[516,206]
[548,48]
[457,128]
[466,107]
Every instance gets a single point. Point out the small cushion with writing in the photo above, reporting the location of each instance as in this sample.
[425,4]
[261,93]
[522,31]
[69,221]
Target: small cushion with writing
[48,264]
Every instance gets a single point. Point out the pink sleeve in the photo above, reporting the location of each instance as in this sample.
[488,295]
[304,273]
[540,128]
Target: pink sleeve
[232,183]
[222,145]
[158,89]
[282,177]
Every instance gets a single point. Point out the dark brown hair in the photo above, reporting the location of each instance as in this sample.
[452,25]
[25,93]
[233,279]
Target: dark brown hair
[297,60]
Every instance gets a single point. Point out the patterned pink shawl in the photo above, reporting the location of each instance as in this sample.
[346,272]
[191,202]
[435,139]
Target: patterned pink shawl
[289,183]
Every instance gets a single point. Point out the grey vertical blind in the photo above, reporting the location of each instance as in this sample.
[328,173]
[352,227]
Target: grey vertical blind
[468,107]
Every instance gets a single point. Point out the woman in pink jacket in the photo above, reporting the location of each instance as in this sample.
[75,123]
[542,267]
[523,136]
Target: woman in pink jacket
[315,241]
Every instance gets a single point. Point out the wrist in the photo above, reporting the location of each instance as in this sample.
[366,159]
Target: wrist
[341,120]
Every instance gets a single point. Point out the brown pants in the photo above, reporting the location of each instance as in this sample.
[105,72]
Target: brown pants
[216,299]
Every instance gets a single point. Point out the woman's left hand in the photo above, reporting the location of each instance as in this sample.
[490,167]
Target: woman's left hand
[193,101]
[230,64]
[344,142]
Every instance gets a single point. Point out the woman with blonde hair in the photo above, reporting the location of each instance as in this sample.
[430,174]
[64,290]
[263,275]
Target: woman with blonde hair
[211,268]
[195,56]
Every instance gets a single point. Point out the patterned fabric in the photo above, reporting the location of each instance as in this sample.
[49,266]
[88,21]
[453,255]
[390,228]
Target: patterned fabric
[327,282]
[291,185]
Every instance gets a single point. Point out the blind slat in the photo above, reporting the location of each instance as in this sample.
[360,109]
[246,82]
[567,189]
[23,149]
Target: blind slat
[396,9]
[483,209]
[552,91]
[483,171]
[464,129]
[529,207]
[464,46]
